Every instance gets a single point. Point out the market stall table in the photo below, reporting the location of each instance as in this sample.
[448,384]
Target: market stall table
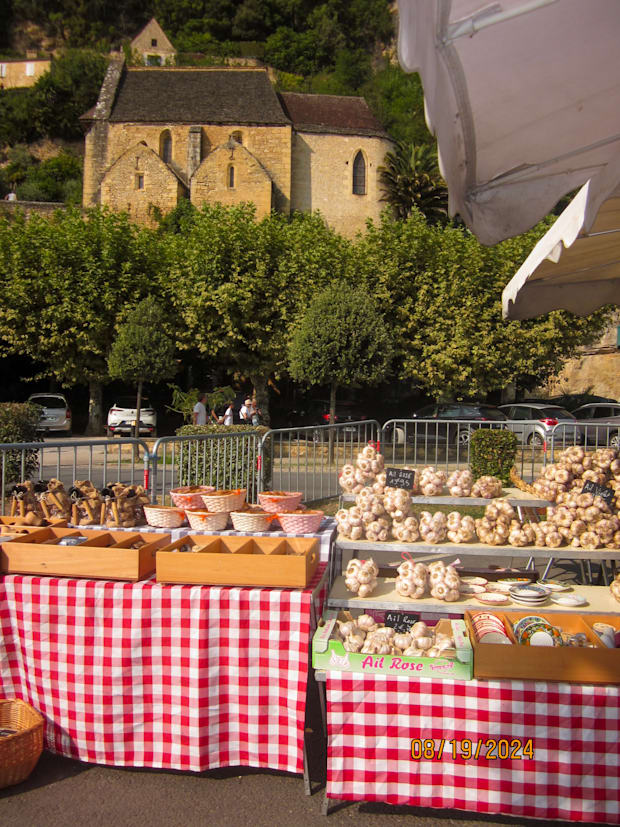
[149,675]
[379,726]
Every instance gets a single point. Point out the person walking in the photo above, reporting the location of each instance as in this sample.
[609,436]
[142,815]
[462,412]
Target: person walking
[245,412]
[199,414]
[227,417]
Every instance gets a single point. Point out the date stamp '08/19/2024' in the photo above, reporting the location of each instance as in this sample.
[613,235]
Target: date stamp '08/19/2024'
[488,749]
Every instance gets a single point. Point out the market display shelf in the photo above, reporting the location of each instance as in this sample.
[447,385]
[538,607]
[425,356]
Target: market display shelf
[513,496]
[478,549]
[386,598]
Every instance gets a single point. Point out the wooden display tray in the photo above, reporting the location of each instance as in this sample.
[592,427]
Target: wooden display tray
[568,664]
[106,555]
[225,560]
[13,521]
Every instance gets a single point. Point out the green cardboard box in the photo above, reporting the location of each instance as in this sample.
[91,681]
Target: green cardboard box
[328,654]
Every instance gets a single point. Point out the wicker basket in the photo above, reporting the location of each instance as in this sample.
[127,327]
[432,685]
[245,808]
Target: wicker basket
[307,522]
[207,520]
[20,752]
[224,500]
[251,521]
[276,501]
[162,516]
[190,496]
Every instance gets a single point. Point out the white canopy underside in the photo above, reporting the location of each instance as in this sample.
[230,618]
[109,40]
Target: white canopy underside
[525,110]
[575,266]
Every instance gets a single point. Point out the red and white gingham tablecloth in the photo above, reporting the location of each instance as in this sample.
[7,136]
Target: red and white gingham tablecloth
[150,675]
[575,732]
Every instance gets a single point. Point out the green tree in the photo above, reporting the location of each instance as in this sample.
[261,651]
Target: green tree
[69,279]
[142,350]
[397,99]
[341,340]
[238,284]
[442,291]
[410,178]
[69,89]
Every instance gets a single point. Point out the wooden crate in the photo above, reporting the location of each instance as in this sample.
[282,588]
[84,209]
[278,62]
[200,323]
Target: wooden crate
[219,560]
[568,664]
[107,555]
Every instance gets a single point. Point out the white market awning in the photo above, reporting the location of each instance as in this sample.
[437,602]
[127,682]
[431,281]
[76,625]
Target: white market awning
[576,264]
[523,96]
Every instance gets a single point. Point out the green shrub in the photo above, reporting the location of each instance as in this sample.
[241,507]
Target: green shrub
[493,452]
[18,423]
[224,463]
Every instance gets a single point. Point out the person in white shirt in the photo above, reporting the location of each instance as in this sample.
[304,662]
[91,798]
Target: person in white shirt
[199,414]
[245,411]
[227,418]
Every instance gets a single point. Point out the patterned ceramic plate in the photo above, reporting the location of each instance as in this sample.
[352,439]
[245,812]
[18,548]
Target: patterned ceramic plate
[569,599]
[554,585]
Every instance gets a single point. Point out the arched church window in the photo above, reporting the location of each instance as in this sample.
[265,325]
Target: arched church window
[359,174]
[165,146]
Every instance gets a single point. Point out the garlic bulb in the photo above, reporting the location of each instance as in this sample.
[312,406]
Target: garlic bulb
[431,482]
[433,527]
[411,580]
[461,528]
[445,582]
[361,576]
[460,483]
[487,487]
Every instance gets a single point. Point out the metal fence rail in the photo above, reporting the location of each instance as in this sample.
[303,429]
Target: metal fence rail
[305,459]
[225,461]
[100,460]
[309,459]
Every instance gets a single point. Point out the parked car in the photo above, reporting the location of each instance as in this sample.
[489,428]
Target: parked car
[56,413]
[601,421]
[467,417]
[535,422]
[122,418]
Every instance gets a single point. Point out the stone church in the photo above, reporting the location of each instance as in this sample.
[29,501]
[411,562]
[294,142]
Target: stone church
[159,135]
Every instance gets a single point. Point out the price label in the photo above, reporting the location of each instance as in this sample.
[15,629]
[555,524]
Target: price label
[606,494]
[400,478]
[400,621]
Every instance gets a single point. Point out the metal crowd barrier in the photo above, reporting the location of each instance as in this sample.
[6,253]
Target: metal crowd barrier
[294,459]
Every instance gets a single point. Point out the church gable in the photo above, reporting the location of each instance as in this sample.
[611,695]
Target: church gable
[230,174]
[153,45]
[138,181]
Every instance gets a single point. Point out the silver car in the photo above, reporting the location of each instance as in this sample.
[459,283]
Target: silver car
[602,423]
[535,424]
[56,413]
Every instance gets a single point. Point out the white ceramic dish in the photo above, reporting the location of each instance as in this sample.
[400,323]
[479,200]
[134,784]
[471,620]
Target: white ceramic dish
[554,585]
[569,600]
[493,598]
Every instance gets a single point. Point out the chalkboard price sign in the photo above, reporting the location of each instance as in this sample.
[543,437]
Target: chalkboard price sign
[400,478]
[606,494]
[400,621]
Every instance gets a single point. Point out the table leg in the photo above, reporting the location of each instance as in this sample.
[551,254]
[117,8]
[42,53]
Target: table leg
[322,690]
[325,806]
[307,788]
[548,567]
[589,566]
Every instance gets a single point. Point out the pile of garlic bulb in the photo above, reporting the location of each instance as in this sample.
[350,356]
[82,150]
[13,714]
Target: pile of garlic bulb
[406,531]
[460,483]
[412,579]
[487,487]
[364,635]
[361,576]
[433,527]
[350,523]
[430,481]
[585,521]
[367,471]
[498,521]
[444,581]
[461,528]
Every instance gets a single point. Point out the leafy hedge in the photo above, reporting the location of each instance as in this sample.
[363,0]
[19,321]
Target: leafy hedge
[18,423]
[226,463]
[493,452]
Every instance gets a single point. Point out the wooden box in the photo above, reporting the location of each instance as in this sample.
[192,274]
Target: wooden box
[568,664]
[108,555]
[219,560]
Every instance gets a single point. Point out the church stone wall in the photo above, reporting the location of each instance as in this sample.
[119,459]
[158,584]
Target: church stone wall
[323,178]
[250,182]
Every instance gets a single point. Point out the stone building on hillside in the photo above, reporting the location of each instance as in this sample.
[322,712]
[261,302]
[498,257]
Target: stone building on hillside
[18,73]
[153,46]
[157,136]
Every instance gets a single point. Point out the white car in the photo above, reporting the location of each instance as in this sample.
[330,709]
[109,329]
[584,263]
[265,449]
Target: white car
[122,418]
[56,413]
